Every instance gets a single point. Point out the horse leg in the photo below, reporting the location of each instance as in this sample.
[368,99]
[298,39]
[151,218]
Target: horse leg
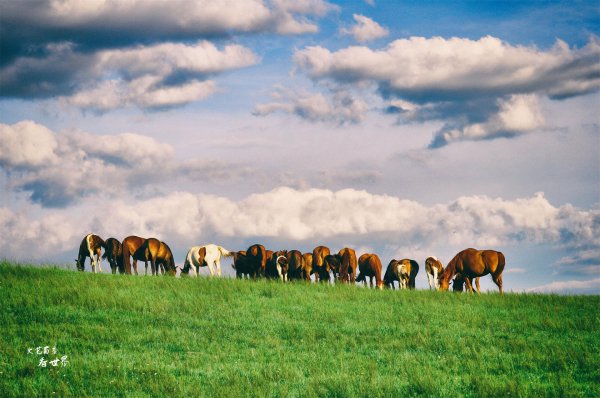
[98,259]
[498,281]
[135,265]
[469,285]
[218,264]
[477,284]
[436,283]
[211,269]
[430,280]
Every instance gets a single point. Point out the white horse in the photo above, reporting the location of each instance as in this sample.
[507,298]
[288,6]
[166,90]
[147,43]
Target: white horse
[433,268]
[200,256]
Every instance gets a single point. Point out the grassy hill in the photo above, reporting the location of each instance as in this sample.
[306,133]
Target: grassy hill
[161,336]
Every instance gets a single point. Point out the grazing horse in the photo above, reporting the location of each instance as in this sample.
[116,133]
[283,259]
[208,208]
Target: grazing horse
[202,256]
[91,245]
[113,252]
[472,263]
[158,253]
[241,265]
[318,266]
[459,283]
[404,271]
[307,270]
[295,261]
[369,265]
[131,248]
[277,265]
[348,264]
[331,263]
[256,257]
[433,268]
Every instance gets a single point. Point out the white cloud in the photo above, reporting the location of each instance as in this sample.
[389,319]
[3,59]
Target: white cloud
[145,74]
[590,286]
[26,144]
[365,29]
[481,89]
[338,107]
[354,217]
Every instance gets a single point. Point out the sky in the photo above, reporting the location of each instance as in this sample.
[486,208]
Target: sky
[402,128]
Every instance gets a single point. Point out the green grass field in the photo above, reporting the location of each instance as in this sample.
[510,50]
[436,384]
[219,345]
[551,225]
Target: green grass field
[161,336]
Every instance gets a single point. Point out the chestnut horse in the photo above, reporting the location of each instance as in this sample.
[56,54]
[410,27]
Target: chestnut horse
[318,265]
[348,265]
[113,252]
[131,247]
[159,254]
[472,263]
[91,245]
[369,265]
[307,270]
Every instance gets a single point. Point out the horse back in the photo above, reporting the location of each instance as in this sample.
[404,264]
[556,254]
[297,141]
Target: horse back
[494,261]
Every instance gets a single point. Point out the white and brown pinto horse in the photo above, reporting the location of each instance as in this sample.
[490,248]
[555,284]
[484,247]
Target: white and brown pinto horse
[205,256]
[433,268]
[404,271]
[472,263]
[91,245]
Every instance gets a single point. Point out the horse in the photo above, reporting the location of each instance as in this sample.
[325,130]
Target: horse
[202,256]
[459,282]
[113,252]
[131,247]
[433,268]
[277,265]
[307,270]
[369,265]
[159,254]
[348,264]
[318,267]
[256,258]
[90,245]
[404,271]
[241,265]
[472,263]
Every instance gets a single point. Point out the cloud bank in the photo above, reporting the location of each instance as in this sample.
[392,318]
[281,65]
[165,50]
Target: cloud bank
[481,89]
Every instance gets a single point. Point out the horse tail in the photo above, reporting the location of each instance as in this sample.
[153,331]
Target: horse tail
[224,252]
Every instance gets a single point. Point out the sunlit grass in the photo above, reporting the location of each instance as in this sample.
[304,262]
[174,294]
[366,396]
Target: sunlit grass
[161,336]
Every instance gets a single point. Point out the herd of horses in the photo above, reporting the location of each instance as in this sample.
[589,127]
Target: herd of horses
[321,265]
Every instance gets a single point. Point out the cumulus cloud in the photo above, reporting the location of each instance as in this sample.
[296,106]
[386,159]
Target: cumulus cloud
[354,217]
[338,107]
[482,88]
[29,27]
[59,169]
[590,286]
[365,29]
[157,76]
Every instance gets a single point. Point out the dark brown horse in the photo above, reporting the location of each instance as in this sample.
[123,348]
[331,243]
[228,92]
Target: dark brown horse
[369,265]
[458,283]
[91,245]
[113,252]
[159,254]
[295,261]
[131,248]
[276,266]
[241,265]
[318,266]
[472,263]
[256,257]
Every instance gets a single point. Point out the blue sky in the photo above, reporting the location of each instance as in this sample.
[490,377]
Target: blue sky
[403,128]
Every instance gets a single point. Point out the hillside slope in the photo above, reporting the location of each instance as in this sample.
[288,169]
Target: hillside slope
[161,336]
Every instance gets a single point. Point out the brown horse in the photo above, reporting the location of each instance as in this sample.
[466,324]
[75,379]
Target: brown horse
[318,266]
[472,263]
[256,258]
[159,254]
[348,265]
[369,265]
[307,270]
[131,247]
[241,265]
[295,265]
[113,252]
